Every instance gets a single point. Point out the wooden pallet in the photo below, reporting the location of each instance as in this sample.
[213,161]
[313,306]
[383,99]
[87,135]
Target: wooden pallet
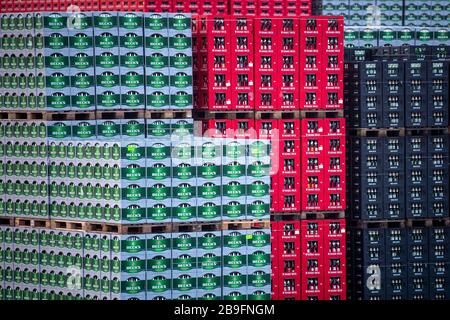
[426,131]
[32,222]
[168,114]
[245,224]
[225,115]
[429,222]
[321,114]
[94,114]
[365,132]
[144,228]
[119,114]
[277,114]
[93,226]
[285,216]
[47,115]
[185,227]
[378,224]
[320,215]
[307,215]
[6,221]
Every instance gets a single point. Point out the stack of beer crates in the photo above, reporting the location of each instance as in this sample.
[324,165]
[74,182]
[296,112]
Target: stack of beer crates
[281,79]
[397,104]
[106,191]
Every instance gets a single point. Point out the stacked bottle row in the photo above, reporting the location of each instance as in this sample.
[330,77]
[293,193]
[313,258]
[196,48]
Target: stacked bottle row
[399,177]
[214,7]
[389,12]
[309,260]
[395,262]
[24,168]
[241,7]
[46,264]
[317,145]
[363,37]
[95,60]
[384,93]
[268,64]
[137,180]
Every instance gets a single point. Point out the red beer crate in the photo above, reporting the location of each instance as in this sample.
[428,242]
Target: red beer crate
[313,146]
[275,274]
[333,61]
[311,63]
[290,147]
[275,229]
[312,286]
[334,163]
[333,26]
[332,98]
[312,229]
[335,259]
[334,228]
[334,145]
[334,201]
[242,46]
[335,287]
[310,98]
[244,128]
[313,200]
[265,93]
[289,165]
[158,6]
[290,230]
[218,128]
[265,63]
[335,184]
[334,237]
[267,129]
[290,288]
[312,181]
[242,92]
[290,202]
[88,5]
[334,127]
[312,258]
[274,193]
[288,91]
[289,184]
[312,127]
[218,63]
[289,128]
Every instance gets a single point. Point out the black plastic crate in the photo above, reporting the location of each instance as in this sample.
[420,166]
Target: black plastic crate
[418,287]
[393,70]
[371,71]
[439,287]
[396,287]
[394,203]
[371,205]
[416,176]
[396,252]
[372,119]
[440,52]
[420,53]
[438,143]
[416,70]
[418,244]
[394,153]
[416,209]
[374,236]
[373,283]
